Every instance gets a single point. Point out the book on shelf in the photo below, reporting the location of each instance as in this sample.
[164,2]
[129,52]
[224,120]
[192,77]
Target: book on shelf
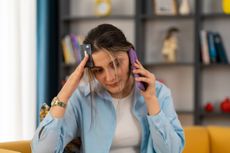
[221,53]
[204,47]
[212,48]
[71,48]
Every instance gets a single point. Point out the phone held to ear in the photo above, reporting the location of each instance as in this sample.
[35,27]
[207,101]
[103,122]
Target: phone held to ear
[132,59]
[87,48]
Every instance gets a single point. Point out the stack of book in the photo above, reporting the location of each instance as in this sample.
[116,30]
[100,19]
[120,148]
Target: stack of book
[212,48]
[71,48]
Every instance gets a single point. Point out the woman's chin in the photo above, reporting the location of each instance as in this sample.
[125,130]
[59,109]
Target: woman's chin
[114,91]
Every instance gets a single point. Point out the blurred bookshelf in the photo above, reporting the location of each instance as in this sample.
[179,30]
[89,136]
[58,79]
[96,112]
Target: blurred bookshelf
[187,77]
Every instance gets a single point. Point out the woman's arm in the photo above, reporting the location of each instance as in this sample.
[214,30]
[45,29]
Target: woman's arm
[60,125]
[69,87]
[53,134]
[165,128]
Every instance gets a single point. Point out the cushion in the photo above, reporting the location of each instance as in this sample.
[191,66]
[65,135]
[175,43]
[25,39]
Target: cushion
[196,140]
[220,139]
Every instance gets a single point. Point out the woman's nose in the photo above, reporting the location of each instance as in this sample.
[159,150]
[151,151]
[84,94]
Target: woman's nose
[110,75]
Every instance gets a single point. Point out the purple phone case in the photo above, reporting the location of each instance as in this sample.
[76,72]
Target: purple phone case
[133,58]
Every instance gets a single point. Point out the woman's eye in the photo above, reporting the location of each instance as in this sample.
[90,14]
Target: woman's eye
[117,63]
[97,71]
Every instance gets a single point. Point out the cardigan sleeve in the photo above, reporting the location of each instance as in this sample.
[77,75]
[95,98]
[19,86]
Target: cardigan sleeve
[165,128]
[53,134]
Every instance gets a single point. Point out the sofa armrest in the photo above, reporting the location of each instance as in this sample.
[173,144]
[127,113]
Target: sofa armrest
[19,146]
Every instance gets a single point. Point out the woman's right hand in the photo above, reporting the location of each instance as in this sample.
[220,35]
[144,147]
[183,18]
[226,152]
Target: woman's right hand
[69,87]
[73,81]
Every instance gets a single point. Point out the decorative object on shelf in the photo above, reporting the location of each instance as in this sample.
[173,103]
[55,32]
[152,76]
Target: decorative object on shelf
[170,45]
[225,105]
[103,7]
[226,6]
[209,107]
[184,7]
[44,111]
[165,7]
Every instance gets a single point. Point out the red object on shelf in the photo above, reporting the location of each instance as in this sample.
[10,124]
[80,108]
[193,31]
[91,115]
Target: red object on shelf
[225,105]
[209,107]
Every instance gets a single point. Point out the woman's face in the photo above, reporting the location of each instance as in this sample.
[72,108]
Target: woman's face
[112,71]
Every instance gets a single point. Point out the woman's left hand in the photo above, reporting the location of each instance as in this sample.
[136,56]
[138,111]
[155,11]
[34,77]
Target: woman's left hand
[150,93]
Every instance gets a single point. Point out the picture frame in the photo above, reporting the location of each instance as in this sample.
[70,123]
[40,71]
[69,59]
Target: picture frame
[165,7]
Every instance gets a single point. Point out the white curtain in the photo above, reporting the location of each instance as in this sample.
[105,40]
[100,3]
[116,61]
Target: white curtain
[17,69]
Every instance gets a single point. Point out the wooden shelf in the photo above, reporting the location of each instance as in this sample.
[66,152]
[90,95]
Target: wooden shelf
[182,112]
[166,17]
[114,17]
[215,114]
[215,16]
[214,65]
[168,64]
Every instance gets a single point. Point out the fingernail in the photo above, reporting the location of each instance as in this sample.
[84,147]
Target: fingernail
[85,53]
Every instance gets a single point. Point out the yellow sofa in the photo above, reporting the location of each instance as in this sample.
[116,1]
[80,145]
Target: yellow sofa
[199,139]
[210,139]
[15,147]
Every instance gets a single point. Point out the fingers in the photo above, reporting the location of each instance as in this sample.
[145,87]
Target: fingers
[145,75]
[138,65]
[144,79]
[140,69]
[81,66]
[84,61]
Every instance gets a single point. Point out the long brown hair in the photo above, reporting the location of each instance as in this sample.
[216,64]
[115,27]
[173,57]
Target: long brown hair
[110,38]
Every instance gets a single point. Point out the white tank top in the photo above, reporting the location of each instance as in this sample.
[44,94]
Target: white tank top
[127,136]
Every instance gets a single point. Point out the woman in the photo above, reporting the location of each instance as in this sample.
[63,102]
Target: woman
[109,113]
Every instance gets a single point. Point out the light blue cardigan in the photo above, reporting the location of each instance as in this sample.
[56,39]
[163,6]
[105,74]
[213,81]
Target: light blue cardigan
[161,133]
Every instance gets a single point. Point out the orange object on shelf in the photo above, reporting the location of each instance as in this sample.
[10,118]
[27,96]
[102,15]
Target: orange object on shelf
[226,6]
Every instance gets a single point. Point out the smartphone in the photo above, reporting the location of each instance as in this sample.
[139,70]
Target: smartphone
[132,58]
[87,48]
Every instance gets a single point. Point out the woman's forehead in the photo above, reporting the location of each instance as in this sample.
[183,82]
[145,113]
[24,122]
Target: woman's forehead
[105,57]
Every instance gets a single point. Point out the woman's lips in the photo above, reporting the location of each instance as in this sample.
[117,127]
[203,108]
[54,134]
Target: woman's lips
[113,84]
